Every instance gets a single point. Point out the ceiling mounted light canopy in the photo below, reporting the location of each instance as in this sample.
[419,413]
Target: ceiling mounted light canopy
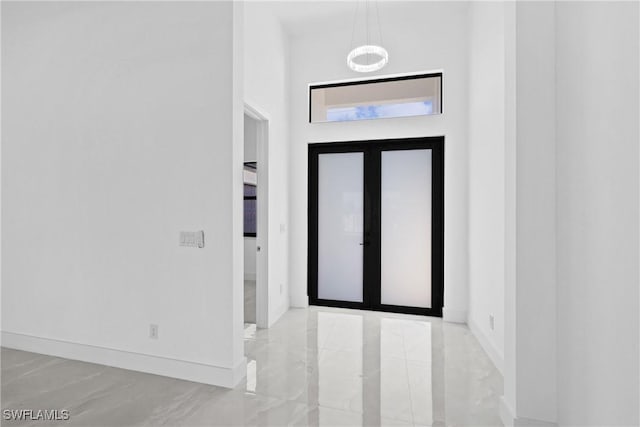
[367,57]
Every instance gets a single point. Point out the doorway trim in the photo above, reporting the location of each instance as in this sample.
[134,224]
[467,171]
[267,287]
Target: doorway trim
[262,214]
[372,150]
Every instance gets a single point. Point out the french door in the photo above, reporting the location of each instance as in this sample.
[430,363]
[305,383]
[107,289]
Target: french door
[376,225]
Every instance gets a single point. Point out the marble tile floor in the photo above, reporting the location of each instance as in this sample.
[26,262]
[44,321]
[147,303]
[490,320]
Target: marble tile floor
[316,366]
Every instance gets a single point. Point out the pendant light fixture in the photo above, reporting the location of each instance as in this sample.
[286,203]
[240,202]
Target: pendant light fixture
[368,57]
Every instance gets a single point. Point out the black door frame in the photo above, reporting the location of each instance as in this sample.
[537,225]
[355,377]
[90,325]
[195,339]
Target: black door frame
[372,150]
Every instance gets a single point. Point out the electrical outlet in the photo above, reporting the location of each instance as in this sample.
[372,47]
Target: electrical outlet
[491,322]
[153,331]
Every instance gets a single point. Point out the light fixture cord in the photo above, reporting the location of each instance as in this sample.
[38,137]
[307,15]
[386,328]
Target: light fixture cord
[353,30]
[366,23]
[379,26]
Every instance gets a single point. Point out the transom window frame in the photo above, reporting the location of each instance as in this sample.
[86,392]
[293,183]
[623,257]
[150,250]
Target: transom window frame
[377,79]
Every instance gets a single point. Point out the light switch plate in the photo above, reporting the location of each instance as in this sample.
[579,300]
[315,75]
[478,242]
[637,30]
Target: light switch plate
[194,239]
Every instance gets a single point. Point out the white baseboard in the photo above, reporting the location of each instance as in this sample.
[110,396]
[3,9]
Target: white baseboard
[506,413]
[158,365]
[496,357]
[510,420]
[454,315]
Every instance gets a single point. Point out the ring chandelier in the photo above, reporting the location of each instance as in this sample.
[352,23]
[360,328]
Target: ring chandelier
[367,50]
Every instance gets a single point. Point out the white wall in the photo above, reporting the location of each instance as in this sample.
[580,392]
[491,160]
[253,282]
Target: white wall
[597,130]
[237,182]
[116,133]
[266,90]
[507,403]
[535,299]
[486,177]
[425,36]
[571,341]
[530,224]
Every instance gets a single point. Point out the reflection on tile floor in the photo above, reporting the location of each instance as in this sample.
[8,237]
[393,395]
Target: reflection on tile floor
[316,366]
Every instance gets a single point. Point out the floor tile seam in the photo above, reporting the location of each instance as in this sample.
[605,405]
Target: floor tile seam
[406,367]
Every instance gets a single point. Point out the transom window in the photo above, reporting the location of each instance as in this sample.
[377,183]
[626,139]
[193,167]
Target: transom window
[405,96]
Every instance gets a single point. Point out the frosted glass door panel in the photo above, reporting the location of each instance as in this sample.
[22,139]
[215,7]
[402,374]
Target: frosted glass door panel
[340,226]
[406,228]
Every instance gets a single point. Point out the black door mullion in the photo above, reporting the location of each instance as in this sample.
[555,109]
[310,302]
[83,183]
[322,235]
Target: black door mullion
[367,231]
[372,251]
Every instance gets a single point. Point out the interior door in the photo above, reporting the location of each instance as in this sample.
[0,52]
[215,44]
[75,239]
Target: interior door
[376,237]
